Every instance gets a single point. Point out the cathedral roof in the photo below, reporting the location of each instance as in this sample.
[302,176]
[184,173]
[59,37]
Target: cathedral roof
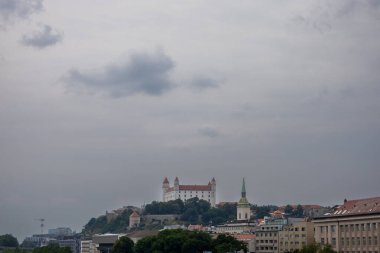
[166,181]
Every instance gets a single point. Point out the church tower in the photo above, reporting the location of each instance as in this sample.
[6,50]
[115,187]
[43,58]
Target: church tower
[243,207]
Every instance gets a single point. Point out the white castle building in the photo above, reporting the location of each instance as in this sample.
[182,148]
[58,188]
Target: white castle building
[184,192]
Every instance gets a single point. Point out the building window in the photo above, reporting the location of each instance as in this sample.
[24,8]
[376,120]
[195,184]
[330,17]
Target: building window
[364,241]
[375,240]
[302,229]
[369,240]
[362,227]
[322,241]
[358,240]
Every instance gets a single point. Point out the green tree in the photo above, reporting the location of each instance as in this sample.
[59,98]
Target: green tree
[52,248]
[145,244]
[8,240]
[225,243]
[288,209]
[123,245]
[175,241]
[298,212]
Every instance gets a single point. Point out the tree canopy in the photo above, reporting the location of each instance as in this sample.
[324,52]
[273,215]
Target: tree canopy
[8,240]
[52,248]
[101,225]
[123,245]
[184,241]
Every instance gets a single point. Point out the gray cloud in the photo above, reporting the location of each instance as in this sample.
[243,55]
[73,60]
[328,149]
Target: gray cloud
[11,9]
[143,73]
[208,131]
[323,15]
[44,38]
[204,82]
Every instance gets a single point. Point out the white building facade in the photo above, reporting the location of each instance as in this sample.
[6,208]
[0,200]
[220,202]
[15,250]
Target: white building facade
[184,192]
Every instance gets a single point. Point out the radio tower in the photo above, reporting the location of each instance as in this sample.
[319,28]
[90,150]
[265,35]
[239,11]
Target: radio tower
[42,224]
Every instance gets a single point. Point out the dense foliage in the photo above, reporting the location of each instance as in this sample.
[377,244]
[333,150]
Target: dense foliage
[17,250]
[171,207]
[262,211]
[215,216]
[8,240]
[315,248]
[297,212]
[184,241]
[52,248]
[100,224]
[123,245]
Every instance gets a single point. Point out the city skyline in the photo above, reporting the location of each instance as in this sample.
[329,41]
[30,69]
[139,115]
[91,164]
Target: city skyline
[99,100]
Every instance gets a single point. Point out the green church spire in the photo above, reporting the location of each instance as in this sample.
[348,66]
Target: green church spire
[243,192]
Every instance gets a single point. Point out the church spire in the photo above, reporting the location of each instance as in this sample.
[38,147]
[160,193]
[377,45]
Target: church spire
[243,192]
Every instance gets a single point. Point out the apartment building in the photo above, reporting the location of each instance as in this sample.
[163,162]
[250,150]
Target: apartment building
[353,228]
[295,235]
[267,235]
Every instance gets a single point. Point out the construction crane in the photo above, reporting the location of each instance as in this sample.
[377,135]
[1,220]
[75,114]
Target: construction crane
[42,224]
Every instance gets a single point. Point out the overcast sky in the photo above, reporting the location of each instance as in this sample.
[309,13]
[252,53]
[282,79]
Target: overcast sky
[100,100]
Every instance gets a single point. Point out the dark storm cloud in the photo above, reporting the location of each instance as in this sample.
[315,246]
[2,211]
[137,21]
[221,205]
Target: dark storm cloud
[204,82]
[143,73]
[41,39]
[10,9]
[208,131]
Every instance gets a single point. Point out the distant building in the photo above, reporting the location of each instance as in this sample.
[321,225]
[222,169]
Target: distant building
[243,212]
[87,246]
[103,243]
[354,227]
[295,235]
[73,243]
[267,235]
[184,192]
[64,231]
[134,220]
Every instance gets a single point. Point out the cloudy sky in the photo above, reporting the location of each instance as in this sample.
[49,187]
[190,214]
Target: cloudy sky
[99,100]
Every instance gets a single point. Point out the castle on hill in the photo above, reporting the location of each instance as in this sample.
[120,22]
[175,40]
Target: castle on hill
[184,192]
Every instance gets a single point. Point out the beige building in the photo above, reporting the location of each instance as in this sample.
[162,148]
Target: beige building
[353,228]
[87,246]
[267,235]
[296,235]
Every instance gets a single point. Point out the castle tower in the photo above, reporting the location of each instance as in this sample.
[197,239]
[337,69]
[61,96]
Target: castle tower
[165,188]
[243,207]
[176,184]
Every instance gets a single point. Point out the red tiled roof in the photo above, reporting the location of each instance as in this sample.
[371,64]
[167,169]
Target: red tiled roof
[358,206]
[195,187]
[134,215]
[244,237]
